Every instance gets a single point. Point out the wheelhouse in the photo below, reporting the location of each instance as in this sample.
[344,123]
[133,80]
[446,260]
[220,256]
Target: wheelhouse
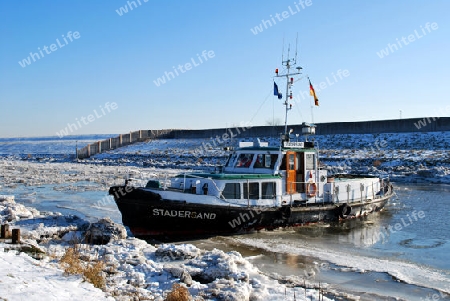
[295,162]
[256,174]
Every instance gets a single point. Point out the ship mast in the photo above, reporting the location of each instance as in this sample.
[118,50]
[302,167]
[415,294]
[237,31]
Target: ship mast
[289,63]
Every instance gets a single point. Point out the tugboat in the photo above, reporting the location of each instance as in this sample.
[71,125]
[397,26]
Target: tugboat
[259,187]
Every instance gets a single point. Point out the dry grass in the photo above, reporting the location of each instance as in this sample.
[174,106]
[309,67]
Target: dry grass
[94,274]
[178,293]
[91,271]
[71,262]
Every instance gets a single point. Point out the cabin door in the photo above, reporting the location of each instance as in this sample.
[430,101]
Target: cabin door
[291,172]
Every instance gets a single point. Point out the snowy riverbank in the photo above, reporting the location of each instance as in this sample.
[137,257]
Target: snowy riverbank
[405,157]
[132,269]
[136,270]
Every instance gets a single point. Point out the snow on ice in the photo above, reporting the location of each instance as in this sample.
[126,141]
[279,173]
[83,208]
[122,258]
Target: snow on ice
[137,270]
[406,157]
[134,269]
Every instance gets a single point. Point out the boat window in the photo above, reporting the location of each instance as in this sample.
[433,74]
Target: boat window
[265,161]
[251,190]
[231,159]
[283,163]
[232,191]
[244,160]
[291,161]
[268,190]
[260,161]
[310,162]
[228,160]
[273,160]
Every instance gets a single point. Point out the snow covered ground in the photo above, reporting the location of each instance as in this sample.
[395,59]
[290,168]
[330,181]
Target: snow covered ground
[406,157]
[132,268]
[24,278]
[136,270]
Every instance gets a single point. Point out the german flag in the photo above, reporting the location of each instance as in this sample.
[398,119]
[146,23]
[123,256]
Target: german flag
[313,93]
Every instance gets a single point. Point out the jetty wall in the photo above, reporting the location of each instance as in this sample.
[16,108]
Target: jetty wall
[427,124]
[122,140]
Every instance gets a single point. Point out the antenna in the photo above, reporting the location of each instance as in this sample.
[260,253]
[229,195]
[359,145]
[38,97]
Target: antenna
[296,46]
[289,51]
[289,81]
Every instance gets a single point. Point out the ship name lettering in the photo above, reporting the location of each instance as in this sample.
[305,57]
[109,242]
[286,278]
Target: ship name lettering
[184,214]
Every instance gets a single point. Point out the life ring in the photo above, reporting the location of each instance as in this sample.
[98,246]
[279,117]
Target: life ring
[344,211]
[311,189]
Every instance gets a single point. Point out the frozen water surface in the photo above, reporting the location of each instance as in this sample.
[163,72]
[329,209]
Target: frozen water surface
[56,196]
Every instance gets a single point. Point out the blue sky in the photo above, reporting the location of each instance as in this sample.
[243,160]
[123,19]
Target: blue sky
[103,81]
